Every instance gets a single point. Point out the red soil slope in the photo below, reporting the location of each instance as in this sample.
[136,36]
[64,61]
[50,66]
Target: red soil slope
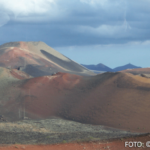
[13,57]
[118,144]
[41,97]
[116,100]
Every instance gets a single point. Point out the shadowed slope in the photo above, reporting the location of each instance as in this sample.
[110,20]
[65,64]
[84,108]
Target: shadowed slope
[117,100]
[38,59]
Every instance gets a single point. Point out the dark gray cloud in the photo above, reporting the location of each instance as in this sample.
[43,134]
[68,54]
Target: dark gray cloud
[77,22]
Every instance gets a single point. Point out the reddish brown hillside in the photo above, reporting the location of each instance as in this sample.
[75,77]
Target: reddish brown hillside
[15,57]
[118,100]
[41,97]
[38,59]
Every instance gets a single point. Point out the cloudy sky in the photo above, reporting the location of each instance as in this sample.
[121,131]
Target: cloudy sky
[112,32]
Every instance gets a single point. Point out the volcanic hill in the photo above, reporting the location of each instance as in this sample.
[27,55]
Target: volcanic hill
[119,100]
[38,59]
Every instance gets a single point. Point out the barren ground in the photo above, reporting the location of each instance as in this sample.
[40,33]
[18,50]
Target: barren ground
[117,144]
[56,130]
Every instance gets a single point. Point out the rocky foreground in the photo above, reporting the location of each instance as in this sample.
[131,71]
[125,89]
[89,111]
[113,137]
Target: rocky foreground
[55,130]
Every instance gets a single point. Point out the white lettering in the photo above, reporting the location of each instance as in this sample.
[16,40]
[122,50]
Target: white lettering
[148,143]
[139,144]
[126,144]
[130,144]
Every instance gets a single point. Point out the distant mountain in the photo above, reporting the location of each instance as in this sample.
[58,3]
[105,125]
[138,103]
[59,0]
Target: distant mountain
[128,66]
[101,67]
[98,67]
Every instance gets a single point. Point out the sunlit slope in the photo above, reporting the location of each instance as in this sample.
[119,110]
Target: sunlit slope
[38,59]
[137,71]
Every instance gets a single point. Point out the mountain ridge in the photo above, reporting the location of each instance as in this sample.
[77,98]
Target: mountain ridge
[102,67]
[98,67]
[127,66]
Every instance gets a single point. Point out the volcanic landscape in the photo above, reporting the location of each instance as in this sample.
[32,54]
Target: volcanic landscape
[37,83]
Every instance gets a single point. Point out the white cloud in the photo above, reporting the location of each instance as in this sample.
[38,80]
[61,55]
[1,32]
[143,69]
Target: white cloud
[26,7]
[35,10]
[20,10]
[107,30]
[115,20]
